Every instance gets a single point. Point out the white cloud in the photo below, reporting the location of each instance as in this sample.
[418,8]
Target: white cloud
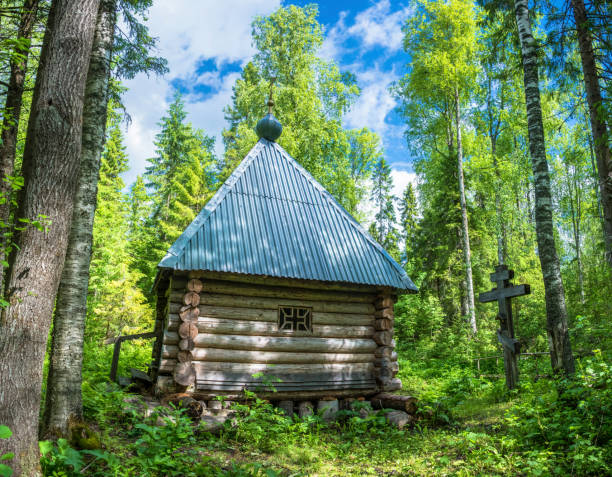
[378,26]
[375,101]
[189,32]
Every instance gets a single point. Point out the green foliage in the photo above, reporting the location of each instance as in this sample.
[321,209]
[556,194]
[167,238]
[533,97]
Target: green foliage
[567,427]
[58,459]
[5,470]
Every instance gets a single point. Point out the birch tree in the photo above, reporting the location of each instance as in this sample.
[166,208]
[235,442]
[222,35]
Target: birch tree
[50,169]
[441,41]
[556,312]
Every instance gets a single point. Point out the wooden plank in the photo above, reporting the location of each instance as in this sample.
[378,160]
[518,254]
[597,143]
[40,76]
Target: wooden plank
[285,289]
[495,294]
[287,372]
[268,357]
[219,299]
[297,343]
[271,315]
[235,327]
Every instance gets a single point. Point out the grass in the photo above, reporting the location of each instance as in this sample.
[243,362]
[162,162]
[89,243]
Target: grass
[465,430]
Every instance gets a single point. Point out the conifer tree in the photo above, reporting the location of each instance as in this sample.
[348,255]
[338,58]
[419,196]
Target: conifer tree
[382,197]
[408,222]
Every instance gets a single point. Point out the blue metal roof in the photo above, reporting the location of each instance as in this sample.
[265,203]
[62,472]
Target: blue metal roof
[272,218]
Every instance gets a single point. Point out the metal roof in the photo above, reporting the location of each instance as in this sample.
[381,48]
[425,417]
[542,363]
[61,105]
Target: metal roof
[272,218]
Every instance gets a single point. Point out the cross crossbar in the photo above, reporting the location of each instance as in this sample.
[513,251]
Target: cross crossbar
[510,292]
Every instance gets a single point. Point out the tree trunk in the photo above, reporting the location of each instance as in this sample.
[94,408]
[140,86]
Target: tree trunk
[464,222]
[10,125]
[556,313]
[63,398]
[576,211]
[51,170]
[599,127]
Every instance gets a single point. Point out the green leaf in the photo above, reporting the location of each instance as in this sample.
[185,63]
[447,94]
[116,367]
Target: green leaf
[8,456]
[5,471]
[5,432]
[45,447]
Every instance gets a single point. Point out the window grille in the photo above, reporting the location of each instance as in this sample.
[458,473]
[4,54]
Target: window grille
[293,318]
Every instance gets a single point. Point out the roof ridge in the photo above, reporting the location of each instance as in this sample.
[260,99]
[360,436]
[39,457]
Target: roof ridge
[344,213]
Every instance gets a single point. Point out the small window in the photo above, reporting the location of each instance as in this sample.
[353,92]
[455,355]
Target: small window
[293,318]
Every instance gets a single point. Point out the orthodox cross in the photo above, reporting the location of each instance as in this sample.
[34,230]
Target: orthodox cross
[505,335]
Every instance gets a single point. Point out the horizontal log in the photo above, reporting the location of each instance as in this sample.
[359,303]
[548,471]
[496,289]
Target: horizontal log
[194,285]
[384,302]
[218,299]
[191,298]
[323,388]
[324,293]
[170,338]
[271,315]
[169,351]
[184,374]
[227,277]
[236,395]
[287,372]
[166,366]
[383,352]
[188,330]
[384,313]
[392,385]
[186,344]
[236,327]
[267,357]
[297,343]
[383,338]
[383,324]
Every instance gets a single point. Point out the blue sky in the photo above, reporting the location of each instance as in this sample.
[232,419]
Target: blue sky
[207,42]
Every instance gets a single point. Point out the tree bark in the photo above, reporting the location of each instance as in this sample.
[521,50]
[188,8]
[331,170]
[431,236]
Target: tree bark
[51,169]
[599,127]
[556,313]
[63,398]
[10,125]
[467,254]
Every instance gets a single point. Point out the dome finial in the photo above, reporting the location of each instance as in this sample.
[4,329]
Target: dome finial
[268,127]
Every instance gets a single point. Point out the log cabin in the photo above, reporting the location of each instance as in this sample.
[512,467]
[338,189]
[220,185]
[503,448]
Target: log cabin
[276,288]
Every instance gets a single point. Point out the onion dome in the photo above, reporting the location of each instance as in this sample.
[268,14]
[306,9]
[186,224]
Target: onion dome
[269,127]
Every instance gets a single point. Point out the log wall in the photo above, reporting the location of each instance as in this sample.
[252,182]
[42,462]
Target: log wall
[223,336]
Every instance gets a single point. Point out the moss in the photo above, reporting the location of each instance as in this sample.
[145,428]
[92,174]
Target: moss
[84,437]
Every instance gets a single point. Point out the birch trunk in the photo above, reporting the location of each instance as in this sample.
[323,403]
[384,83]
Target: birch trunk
[50,168]
[599,128]
[556,313]
[10,124]
[467,255]
[576,211]
[63,398]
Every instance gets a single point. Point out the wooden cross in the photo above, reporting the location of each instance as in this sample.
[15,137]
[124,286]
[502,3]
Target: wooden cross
[505,335]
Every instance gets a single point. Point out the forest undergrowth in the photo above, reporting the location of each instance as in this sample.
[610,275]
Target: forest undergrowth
[469,425]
